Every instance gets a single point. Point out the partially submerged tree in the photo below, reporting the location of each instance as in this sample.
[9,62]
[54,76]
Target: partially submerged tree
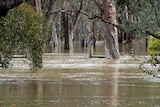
[111,40]
[70,18]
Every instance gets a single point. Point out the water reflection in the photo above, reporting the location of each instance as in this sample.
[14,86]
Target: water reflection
[98,87]
[78,81]
[74,88]
[137,47]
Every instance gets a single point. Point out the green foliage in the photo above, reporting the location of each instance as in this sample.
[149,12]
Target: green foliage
[21,31]
[145,15]
[154,46]
[154,60]
[154,68]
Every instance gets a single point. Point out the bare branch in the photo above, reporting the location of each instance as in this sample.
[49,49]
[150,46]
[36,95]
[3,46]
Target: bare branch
[77,16]
[99,5]
[86,14]
[152,34]
[50,10]
[103,20]
[79,12]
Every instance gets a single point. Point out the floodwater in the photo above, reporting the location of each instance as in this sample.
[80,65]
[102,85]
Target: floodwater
[75,80]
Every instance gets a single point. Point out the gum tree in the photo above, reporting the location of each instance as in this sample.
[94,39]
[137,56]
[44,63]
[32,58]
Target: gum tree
[108,10]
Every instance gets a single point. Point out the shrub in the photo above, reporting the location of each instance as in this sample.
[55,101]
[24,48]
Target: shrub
[21,32]
[154,46]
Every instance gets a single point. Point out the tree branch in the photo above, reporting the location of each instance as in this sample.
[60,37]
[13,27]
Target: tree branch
[78,12]
[99,5]
[103,20]
[49,16]
[152,34]
[120,27]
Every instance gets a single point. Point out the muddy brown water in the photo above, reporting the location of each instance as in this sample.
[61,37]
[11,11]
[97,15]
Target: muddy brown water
[75,80]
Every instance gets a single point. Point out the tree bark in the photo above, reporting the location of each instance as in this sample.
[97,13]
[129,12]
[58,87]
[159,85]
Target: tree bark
[111,39]
[49,16]
[111,36]
[65,29]
[74,26]
[54,36]
[37,5]
[50,11]
[71,27]
[94,34]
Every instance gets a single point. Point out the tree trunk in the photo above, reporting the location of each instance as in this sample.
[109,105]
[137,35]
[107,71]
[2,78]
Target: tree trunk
[65,29]
[94,34]
[111,39]
[54,36]
[74,26]
[50,11]
[111,35]
[38,7]
[49,16]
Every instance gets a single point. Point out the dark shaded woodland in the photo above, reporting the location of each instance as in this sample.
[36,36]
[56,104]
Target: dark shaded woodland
[5,5]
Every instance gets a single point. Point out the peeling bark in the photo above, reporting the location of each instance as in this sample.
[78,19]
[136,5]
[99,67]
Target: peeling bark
[111,39]
[111,34]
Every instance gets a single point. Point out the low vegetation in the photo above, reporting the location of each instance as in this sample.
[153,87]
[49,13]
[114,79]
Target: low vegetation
[153,60]
[154,46]
[21,32]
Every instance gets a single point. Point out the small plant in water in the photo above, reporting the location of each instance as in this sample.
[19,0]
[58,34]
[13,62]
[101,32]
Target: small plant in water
[154,65]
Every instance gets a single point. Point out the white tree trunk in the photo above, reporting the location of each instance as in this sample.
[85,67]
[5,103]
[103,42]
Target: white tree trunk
[111,39]
[38,7]
[50,11]
[54,37]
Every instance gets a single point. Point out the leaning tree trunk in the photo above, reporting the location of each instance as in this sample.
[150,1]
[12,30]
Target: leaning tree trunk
[111,36]
[111,39]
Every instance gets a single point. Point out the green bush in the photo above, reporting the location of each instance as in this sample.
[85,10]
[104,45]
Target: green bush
[154,46]
[21,32]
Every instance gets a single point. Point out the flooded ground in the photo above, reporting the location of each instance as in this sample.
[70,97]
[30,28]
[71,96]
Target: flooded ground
[75,80]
